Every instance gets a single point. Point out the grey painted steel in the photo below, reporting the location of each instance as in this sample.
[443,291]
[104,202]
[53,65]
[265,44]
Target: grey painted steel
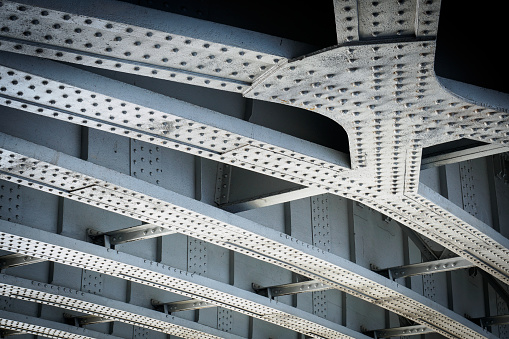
[254,190]
[289,289]
[391,192]
[396,108]
[183,305]
[499,288]
[493,320]
[492,240]
[92,184]
[167,122]
[160,48]
[7,333]
[126,235]
[402,331]
[14,260]
[57,248]
[69,299]
[86,319]
[429,267]
[463,155]
[46,328]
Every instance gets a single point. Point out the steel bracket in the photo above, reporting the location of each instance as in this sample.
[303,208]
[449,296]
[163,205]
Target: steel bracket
[126,235]
[400,331]
[485,322]
[428,267]
[289,289]
[85,319]
[223,178]
[182,305]
[14,260]
[4,333]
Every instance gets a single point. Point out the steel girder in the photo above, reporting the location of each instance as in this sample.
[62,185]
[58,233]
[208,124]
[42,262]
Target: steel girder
[91,257]
[43,169]
[378,84]
[381,113]
[49,329]
[80,302]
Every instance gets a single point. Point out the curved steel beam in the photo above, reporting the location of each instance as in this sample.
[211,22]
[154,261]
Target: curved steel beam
[200,132]
[53,247]
[46,328]
[77,301]
[161,45]
[38,167]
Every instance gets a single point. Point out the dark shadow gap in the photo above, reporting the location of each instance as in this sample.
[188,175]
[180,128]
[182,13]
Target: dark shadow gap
[471,43]
[313,24]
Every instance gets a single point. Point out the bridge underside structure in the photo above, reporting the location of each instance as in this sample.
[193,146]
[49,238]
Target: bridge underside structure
[227,170]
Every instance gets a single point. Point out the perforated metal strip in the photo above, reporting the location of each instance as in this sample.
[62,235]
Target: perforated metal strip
[35,94]
[77,301]
[45,245]
[46,328]
[125,47]
[206,223]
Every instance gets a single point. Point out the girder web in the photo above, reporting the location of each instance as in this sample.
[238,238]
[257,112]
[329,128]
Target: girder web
[378,83]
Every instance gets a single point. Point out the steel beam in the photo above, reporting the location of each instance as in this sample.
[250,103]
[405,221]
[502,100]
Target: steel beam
[495,320]
[82,320]
[420,214]
[151,43]
[167,122]
[292,288]
[77,301]
[462,155]
[183,305]
[28,164]
[388,124]
[14,260]
[15,237]
[240,190]
[23,324]
[122,236]
[428,267]
[401,331]
[404,152]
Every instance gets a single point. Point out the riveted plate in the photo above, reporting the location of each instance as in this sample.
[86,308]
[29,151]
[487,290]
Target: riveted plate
[276,248]
[129,48]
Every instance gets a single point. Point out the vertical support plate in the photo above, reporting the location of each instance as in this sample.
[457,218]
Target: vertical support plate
[322,239]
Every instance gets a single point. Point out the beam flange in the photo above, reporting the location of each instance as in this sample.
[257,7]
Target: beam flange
[152,43]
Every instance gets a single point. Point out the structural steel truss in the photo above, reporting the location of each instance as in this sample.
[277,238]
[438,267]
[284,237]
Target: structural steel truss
[378,83]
